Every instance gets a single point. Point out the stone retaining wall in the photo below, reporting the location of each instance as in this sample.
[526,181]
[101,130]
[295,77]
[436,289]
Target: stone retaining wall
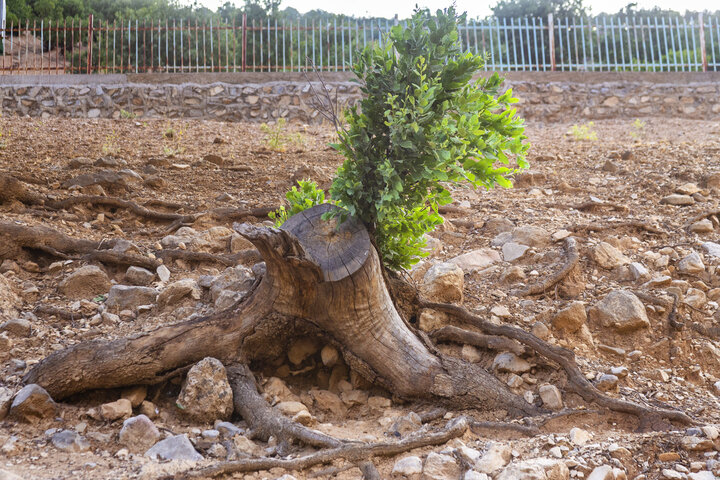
[551,96]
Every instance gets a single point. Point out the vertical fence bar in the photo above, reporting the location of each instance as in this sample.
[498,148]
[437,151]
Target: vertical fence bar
[637,45]
[89,55]
[562,47]
[536,65]
[622,45]
[551,45]
[703,52]
[243,45]
[42,45]
[682,55]
[269,46]
[659,45]
[227,49]
[212,48]
[712,41]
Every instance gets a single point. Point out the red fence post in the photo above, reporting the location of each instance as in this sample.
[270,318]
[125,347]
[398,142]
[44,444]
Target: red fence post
[551,32]
[90,55]
[243,53]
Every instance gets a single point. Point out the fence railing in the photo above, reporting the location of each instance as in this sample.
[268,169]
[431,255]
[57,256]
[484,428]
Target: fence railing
[530,44]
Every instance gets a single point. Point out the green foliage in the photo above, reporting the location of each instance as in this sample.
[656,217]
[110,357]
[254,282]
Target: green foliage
[124,114]
[584,132]
[172,141]
[637,129]
[539,8]
[109,146]
[277,138]
[308,196]
[423,125]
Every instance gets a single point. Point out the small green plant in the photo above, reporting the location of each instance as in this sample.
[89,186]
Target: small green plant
[584,132]
[638,129]
[109,146]
[308,196]
[172,141]
[127,115]
[277,139]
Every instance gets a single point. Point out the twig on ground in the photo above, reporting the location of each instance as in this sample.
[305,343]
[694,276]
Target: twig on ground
[572,260]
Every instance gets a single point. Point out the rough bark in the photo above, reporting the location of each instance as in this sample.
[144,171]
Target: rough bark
[322,272]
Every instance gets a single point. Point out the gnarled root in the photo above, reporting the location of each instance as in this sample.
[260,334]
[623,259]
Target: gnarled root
[571,252]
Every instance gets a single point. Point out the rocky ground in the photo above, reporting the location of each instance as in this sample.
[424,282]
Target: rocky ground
[640,308]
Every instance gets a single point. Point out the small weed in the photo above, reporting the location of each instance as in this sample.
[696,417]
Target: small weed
[109,146]
[584,132]
[638,129]
[277,139]
[306,197]
[172,141]
[127,115]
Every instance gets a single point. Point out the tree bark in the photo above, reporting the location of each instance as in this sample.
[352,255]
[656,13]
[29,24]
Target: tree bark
[324,272]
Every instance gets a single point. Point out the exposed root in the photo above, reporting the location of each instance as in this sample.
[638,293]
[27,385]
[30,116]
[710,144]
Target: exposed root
[49,310]
[571,251]
[356,453]
[482,428]
[263,419]
[247,256]
[565,359]
[636,224]
[589,206]
[670,307]
[116,202]
[458,335]
[703,216]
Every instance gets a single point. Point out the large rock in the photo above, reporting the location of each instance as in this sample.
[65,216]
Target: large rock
[237,279]
[176,291]
[206,394]
[86,282]
[512,251]
[551,397]
[6,397]
[70,441]
[678,200]
[33,404]
[177,447]
[711,249]
[535,469]
[444,282]
[608,256]
[116,410]
[476,260]
[495,458]
[440,467]
[530,236]
[17,327]
[570,318]
[139,433]
[620,310]
[125,297]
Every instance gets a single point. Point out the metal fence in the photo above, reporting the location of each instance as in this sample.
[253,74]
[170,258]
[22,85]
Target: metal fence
[531,44]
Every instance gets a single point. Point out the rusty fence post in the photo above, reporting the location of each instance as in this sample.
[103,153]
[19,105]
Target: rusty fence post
[551,33]
[90,33]
[243,53]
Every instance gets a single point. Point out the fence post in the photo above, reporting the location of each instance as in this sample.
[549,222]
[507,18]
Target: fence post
[89,55]
[703,51]
[551,32]
[244,42]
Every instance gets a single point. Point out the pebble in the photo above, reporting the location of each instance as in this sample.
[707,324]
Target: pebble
[69,441]
[138,434]
[440,467]
[407,466]
[620,310]
[116,410]
[703,226]
[579,437]
[139,276]
[513,251]
[85,282]
[692,264]
[444,282]
[509,362]
[678,200]
[206,394]
[607,383]
[608,256]
[570,318]
[163,273]
[17,327]
[495,457]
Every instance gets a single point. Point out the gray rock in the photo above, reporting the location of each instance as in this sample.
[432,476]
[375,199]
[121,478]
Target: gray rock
[70,441]
[138,434]
[530,236]
[638,271]
[620,310]
[444,282]
[139,276]
[607,383]
[227,429]
[711,249]
[476,259]
[703,226]
[509,362]
[496,457]
[32,404]
[678,200]
[535,469]
[125,297]
[17,327]
[163,273]
[407,466]
[692,264]
[86,282]
[206,394]
[608,256]
[512,251]
[440,467]
[177,447]
[176,291]
[237,279]
[551,397]
[6,397]
[570,318]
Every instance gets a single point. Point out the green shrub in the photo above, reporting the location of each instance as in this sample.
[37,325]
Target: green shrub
[308,196]
[422,125]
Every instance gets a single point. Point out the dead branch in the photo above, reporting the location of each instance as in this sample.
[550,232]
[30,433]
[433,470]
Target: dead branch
[572,260]
[482,428]
[670,307]
[449,333]
[637,224]
[564,358]
[353,453]
[116,202]
[589,206]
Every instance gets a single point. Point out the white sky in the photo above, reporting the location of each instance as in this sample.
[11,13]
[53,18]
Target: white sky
[475,8]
